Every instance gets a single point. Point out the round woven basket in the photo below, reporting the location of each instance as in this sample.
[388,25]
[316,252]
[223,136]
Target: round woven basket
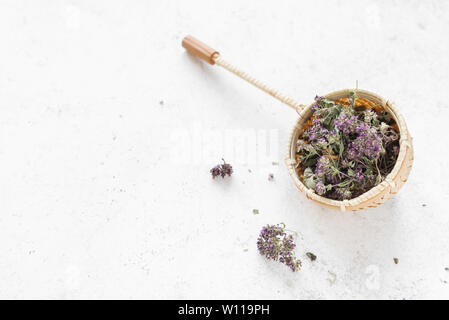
[393,181]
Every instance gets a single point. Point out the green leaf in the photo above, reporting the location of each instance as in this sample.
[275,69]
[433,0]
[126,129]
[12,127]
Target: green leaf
[309,178]
[332,114]
[350,172]
[369,161]
[378,179]
[341,147]
[311,256]
[310,156]
[300,145]
[352,98]
[309,161]
[335,171]
[345,183]
[328,103]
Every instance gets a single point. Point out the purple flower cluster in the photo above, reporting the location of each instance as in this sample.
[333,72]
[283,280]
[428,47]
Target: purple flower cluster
[347,122]
[320,188]
[347,149]
[317,105]
[358,174]
[275,244]
[368,144]
[323,166]
[316,130]
[222,170]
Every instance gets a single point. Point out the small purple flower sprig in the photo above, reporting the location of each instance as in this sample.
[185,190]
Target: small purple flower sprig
[222,170]
[347,149]
[275,244]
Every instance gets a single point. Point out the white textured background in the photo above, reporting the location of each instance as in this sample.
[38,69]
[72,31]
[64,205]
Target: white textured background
[94,205]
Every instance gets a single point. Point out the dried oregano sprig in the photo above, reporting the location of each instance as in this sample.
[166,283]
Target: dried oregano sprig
[346,150]
[274,243]
[221,170]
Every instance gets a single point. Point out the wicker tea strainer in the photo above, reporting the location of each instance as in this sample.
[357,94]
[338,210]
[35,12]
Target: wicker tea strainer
[370,199]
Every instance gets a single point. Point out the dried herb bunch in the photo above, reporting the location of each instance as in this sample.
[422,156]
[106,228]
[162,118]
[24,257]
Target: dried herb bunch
[274,243]
[221,170]
[347,148]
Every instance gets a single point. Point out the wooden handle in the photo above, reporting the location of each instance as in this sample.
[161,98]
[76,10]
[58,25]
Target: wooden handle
[203,51]
[199,49]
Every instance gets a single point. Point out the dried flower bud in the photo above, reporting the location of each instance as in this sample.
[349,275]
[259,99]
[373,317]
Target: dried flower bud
[226,169]
[320,188]
[215,171]
[221,170]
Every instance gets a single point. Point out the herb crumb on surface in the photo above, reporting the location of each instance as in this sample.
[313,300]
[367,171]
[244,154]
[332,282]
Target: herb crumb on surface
[311,256]
[334,277]
[255,211]
[396,260]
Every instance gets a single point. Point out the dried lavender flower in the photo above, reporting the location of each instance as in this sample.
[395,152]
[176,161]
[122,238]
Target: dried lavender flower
[270,177]
[275,244]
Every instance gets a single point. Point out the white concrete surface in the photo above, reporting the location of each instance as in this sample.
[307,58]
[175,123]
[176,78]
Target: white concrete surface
[98,200]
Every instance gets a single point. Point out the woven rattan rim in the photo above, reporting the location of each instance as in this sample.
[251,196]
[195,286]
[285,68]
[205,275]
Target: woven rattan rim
[377,195]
